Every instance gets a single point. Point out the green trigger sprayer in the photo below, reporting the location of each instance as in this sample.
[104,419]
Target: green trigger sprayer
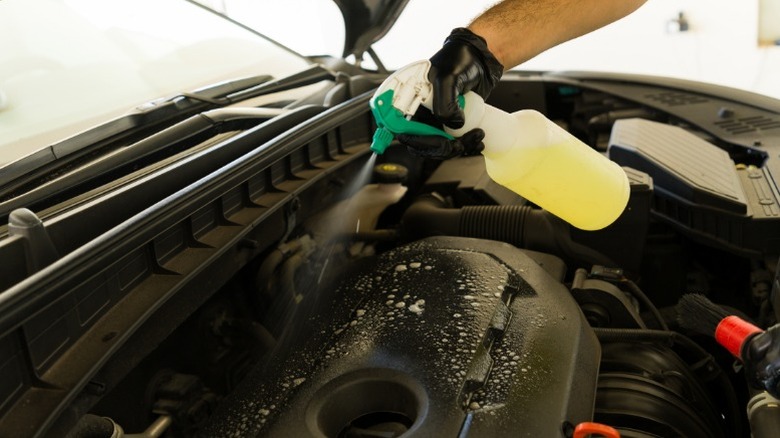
[524,151]
[396,101]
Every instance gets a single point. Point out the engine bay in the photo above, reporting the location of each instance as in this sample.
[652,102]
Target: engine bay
[318,290]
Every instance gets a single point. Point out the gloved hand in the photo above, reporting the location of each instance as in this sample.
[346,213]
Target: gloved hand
[463,64]
[440,148]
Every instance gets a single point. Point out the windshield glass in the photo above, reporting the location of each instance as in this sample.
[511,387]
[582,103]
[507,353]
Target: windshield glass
[67,65]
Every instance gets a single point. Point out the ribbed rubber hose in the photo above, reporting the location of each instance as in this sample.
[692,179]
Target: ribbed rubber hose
[644,335]
[521,226]
[495,222]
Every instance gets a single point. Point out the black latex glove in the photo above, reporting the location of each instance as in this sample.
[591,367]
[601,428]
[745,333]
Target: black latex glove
[438,147]
[463,64]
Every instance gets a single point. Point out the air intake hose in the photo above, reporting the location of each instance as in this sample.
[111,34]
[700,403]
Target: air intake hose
[521,226]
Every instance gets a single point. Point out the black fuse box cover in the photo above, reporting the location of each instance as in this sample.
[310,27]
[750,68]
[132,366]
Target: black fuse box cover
[700,189]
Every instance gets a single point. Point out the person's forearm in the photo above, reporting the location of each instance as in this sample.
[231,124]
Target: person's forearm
[518,30]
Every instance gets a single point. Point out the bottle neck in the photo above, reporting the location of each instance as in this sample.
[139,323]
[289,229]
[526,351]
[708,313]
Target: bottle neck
[473,112]
[500,127]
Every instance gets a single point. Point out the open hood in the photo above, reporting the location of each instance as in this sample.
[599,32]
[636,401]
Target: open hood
[366,22]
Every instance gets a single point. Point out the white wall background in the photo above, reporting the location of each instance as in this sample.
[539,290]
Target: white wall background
[721,45]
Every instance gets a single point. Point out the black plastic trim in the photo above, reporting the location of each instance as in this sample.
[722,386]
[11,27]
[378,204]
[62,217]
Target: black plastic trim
[137,260]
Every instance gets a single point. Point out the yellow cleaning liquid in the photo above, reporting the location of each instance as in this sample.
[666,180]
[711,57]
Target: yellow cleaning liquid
[542,162]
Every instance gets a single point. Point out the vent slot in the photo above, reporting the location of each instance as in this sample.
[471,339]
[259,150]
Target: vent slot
[748,124]
[674,98]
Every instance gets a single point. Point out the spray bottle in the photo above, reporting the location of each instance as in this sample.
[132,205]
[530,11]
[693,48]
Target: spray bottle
[524,151]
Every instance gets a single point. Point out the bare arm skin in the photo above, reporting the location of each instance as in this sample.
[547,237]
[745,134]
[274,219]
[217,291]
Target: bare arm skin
[518,30]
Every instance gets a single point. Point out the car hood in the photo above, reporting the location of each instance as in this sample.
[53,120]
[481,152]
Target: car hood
[366,22]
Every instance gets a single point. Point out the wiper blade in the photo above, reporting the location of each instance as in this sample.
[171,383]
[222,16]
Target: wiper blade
[311,75]
[227,93]
[215,94]
[151,113]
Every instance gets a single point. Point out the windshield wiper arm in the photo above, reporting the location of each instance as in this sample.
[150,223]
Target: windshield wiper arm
[227,93]
[151,116]
[215,94]
[151,113]
[315,73]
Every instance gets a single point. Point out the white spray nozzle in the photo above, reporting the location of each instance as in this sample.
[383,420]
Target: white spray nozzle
[395,102]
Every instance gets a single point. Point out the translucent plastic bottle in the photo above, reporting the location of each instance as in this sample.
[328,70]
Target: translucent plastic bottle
[542,162]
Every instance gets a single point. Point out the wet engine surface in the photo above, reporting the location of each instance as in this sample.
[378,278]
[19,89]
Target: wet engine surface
[441,337]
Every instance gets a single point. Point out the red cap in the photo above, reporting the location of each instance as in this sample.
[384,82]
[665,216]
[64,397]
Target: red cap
[587,428]
[732,331]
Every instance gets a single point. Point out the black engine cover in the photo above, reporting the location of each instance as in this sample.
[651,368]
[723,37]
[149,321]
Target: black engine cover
[442,337]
